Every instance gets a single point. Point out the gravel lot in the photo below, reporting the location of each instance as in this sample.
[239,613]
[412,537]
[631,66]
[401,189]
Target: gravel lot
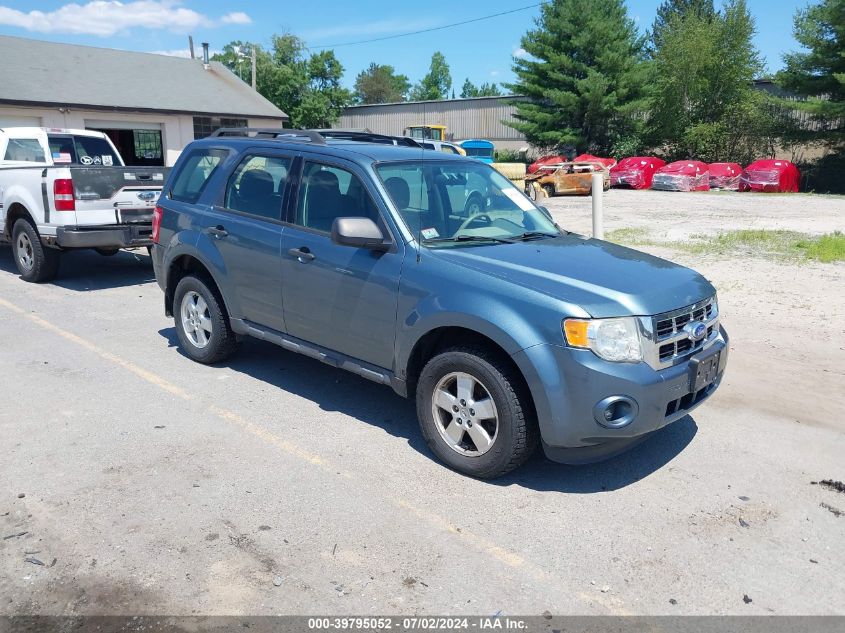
[148,484]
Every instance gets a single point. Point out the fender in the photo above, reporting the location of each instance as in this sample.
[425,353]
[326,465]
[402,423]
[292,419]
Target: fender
[19,194]
[191,244]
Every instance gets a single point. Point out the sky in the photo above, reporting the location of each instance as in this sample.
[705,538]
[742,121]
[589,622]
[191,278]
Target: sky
[482,51]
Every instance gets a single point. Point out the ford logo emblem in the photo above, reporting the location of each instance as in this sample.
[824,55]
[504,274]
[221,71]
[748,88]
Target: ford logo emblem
[147,195]
[695,330]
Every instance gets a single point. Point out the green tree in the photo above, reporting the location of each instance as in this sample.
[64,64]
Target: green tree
[437,83]
[583,76]
[669,9]
[818,72]
[307,88]
[379,83]
[704,104]
[470,90]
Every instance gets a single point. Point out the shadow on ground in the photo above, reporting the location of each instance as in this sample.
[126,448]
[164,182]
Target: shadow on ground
[338,390]
[86,270]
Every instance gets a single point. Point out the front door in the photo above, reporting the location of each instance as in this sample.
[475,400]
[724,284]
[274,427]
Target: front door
[339,297]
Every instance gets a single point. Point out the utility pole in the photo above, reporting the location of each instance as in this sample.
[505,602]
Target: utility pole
[253,66]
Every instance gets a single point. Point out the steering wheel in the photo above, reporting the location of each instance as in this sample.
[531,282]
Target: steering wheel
[473,218]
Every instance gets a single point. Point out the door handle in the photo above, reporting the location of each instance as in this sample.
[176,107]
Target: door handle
[303,254]
[218,231]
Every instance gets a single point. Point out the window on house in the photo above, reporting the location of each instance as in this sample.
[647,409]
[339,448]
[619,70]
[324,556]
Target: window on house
[206,125]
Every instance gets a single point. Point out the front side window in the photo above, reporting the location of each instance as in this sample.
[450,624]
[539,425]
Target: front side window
[195,173]
[258,185]
[327,193]
[453,202]
[27,150]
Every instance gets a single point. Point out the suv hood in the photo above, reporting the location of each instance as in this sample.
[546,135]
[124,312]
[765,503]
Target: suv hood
[604,279]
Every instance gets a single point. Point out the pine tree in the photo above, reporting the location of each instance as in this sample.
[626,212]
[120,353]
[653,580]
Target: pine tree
[678,9]
[379,83]
[818,72]
[583,76]
[470,90]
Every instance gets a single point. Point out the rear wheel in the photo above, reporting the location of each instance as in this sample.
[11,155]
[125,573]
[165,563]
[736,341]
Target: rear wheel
[201,321]
[35,262]
[475,413]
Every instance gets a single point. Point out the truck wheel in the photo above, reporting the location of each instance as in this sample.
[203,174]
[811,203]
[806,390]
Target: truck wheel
[474,205]
[475,413]
[35,262]
[107,252]
[201,321]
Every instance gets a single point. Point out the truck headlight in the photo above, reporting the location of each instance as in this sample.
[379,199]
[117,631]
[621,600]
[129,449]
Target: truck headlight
[616,340]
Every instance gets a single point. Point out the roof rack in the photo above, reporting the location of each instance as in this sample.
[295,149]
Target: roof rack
[368,137]
[300,136]
[318,137]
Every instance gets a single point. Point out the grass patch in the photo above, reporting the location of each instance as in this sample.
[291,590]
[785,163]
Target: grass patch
[827,248]
[782,245]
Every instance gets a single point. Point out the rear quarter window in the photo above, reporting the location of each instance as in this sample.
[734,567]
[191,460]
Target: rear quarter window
[195,172]
[27,150]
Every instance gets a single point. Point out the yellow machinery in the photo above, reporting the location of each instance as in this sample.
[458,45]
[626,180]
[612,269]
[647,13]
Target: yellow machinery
[426,132]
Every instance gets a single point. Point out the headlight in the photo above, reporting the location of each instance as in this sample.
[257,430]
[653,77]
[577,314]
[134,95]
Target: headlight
[616,340]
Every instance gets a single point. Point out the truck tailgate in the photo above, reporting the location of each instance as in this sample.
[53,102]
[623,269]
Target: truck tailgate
[116,195]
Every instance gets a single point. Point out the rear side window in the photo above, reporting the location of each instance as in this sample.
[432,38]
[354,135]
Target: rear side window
[195,172]
[89,151]
[27,150]
[258,185]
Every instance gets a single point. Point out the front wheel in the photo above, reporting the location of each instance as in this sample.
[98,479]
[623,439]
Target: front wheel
[35,262]
[201,322]
[475,413]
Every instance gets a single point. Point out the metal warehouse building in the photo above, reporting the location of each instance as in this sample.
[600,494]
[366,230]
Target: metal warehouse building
[481,117]
[151,106]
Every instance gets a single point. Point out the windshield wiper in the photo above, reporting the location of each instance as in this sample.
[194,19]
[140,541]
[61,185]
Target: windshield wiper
[468,238]
[533,235]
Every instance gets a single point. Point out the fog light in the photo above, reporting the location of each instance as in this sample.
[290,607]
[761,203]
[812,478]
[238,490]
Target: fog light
[614,412]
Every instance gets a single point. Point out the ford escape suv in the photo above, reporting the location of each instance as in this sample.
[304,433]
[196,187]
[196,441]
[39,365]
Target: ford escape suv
[434,275]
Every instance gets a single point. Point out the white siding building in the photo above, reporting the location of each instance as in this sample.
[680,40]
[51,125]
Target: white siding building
[151,106]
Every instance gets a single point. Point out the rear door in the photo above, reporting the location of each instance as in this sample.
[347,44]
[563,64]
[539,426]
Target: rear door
[339,297]
[245,226]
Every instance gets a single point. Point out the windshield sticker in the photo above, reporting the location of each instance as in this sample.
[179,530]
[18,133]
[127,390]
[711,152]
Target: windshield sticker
[430,233]
[86,160]
[107,160]
[520,200]
[61,157]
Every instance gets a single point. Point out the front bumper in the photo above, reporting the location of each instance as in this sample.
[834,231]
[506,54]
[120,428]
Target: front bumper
[567,384]
[107,236]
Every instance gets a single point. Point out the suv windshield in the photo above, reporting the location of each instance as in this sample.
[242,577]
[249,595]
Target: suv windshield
[462,202]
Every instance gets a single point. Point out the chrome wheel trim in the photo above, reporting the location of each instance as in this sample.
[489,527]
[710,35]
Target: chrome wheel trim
[26,258]
[465,414]
[196,321]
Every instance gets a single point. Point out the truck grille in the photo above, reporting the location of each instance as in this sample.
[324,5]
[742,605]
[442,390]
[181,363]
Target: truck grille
[670,342]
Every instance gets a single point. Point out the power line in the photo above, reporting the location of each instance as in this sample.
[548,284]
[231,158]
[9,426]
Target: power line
[436,28]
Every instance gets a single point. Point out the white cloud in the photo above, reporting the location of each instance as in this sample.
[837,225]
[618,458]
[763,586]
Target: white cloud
[108,17]
[520,52]
[236,17]
[495,73]
[184,52]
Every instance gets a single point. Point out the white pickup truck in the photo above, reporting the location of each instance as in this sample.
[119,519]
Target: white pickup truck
[68,189]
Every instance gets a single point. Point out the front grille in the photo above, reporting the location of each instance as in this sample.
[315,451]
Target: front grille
[670,342]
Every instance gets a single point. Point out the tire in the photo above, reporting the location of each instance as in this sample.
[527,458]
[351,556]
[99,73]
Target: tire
[107,252]
[511,434]
[474,205]
[550,190]
[202,323]
[511,171]
[35,263]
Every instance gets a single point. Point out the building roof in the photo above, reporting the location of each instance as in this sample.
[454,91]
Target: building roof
[462,100]
[35,72]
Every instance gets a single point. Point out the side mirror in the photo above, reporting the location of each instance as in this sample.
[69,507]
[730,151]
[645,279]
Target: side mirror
[358,233]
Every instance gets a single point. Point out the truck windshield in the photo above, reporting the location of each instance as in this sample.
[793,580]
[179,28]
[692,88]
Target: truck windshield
[449,203]
[89,151]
